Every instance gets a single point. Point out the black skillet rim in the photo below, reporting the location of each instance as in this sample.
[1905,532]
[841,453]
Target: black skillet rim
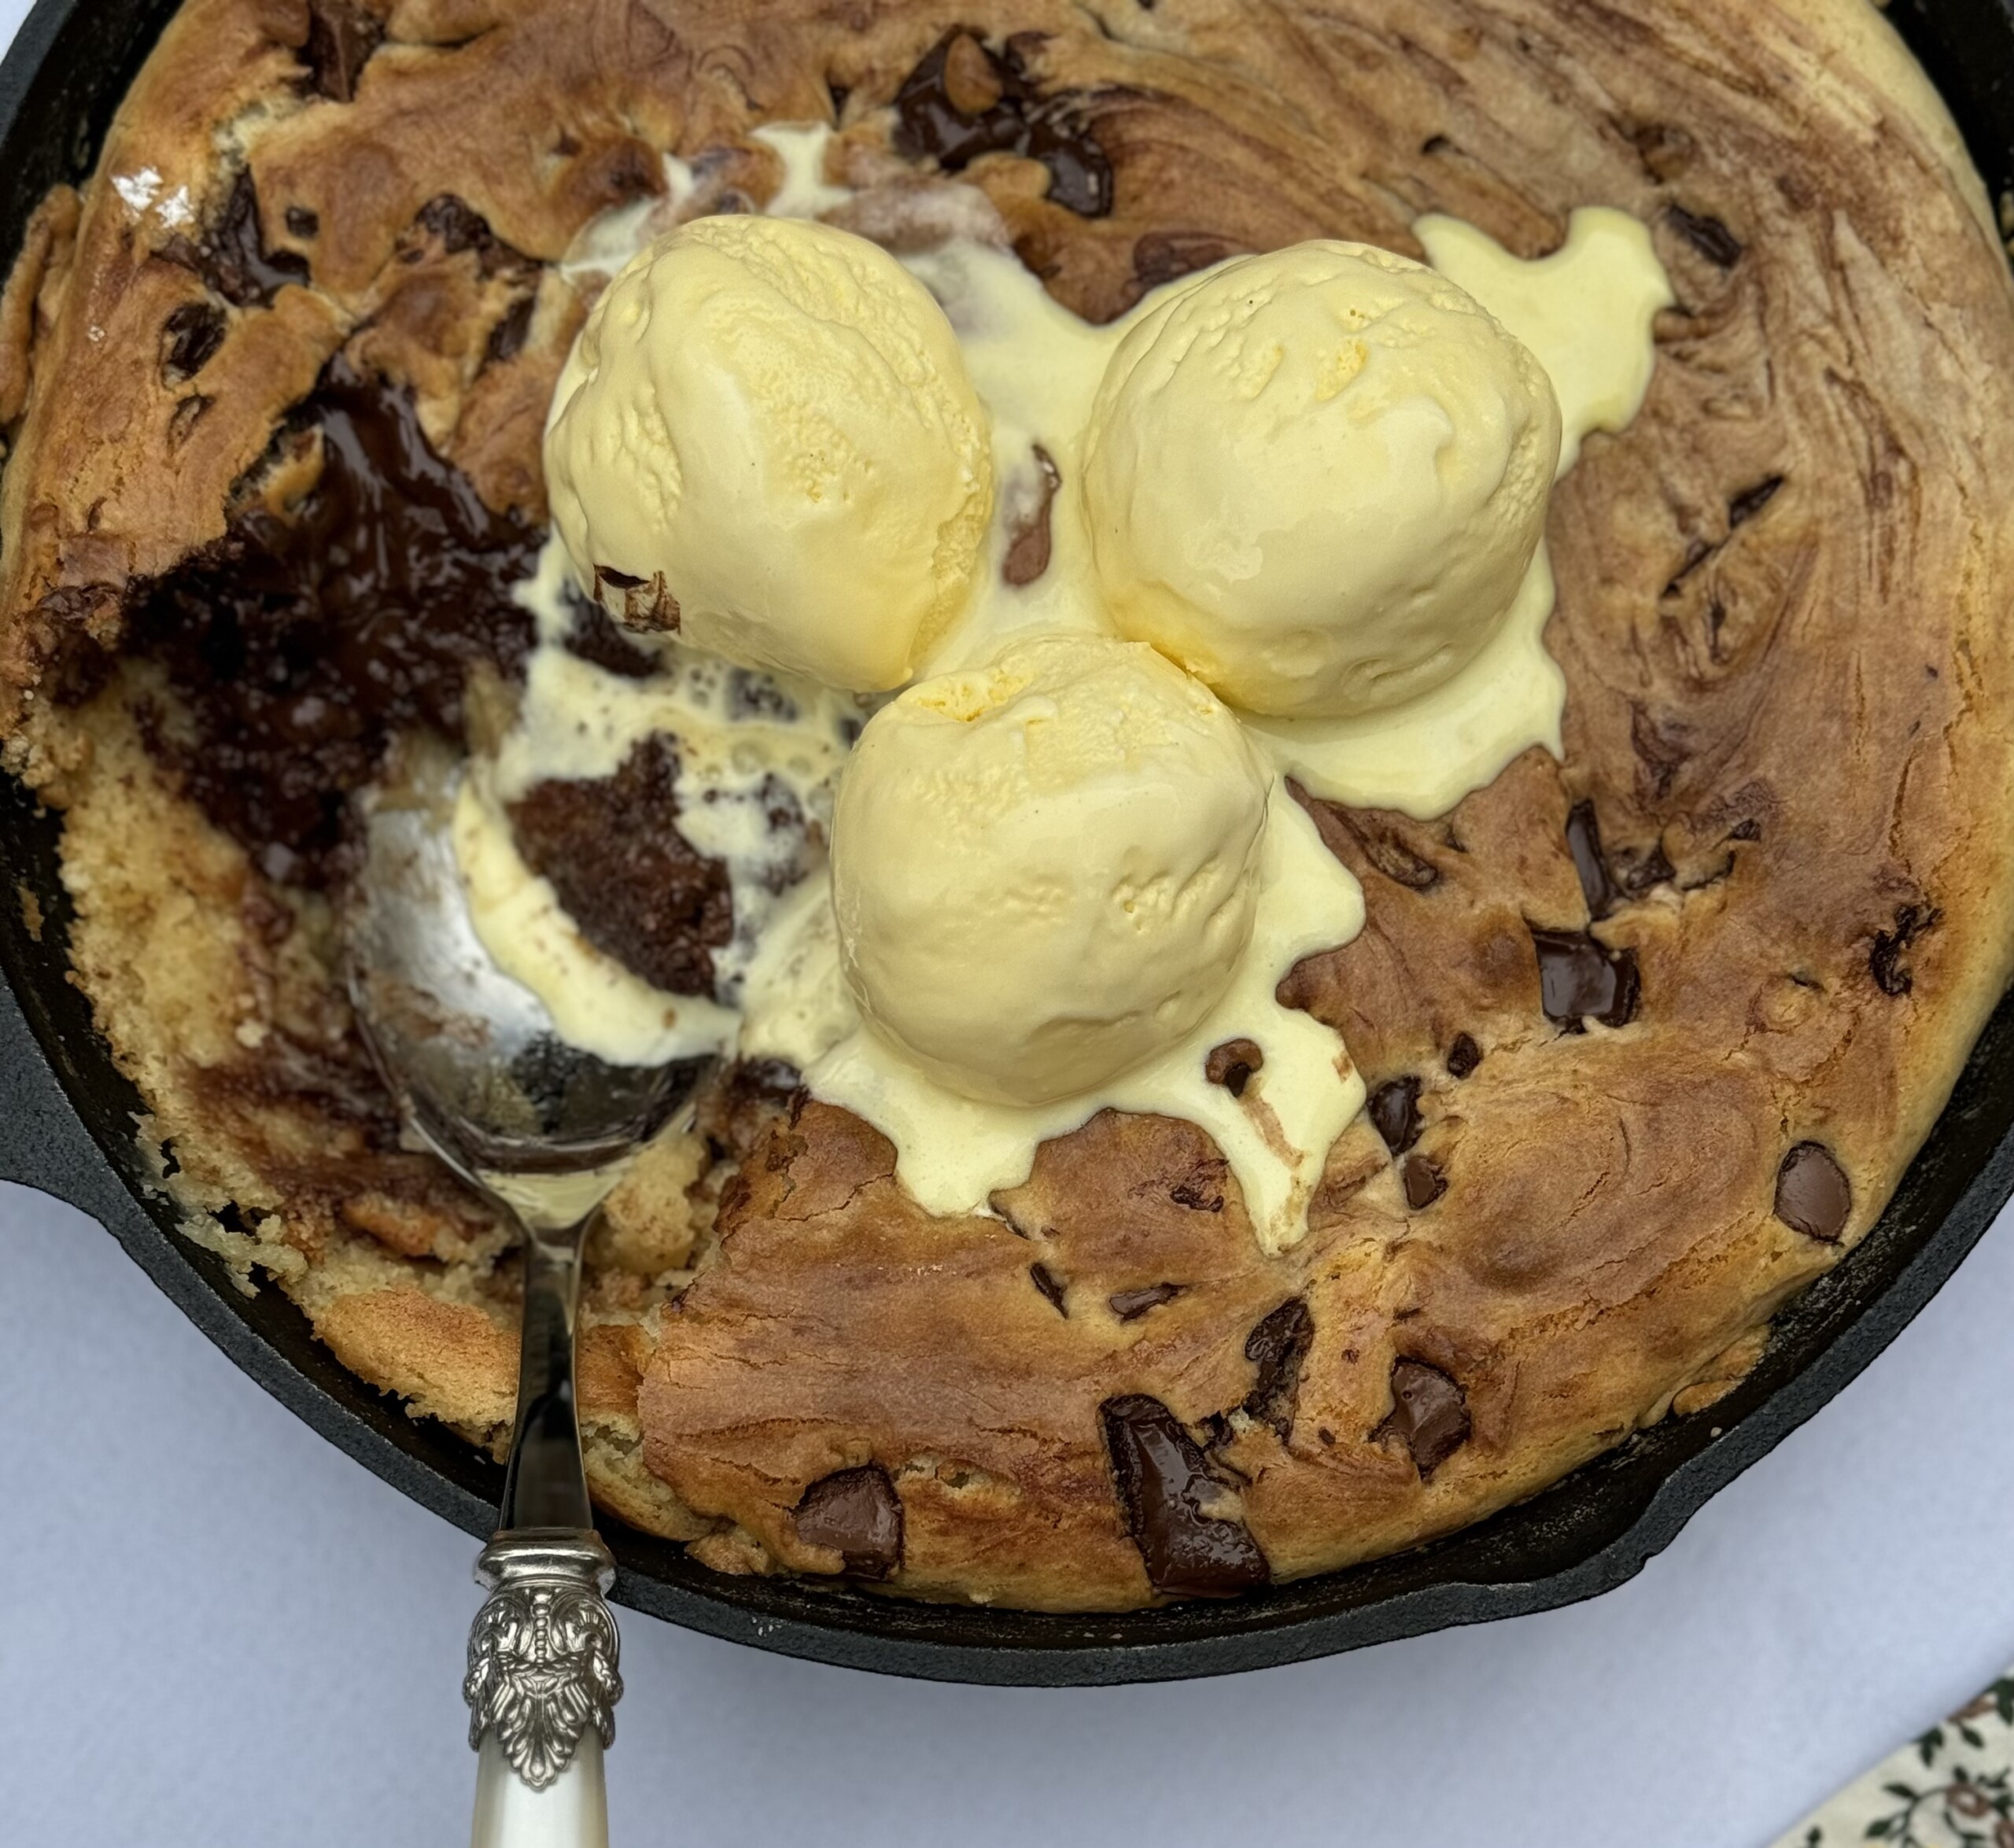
[67,1126]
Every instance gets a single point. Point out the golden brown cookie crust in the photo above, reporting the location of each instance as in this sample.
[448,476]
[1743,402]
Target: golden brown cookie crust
[1782,615]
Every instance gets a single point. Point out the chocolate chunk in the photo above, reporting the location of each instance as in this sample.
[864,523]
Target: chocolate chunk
[1579,978]
[514,326]
[1748,829]
[1375,838]
[1463,1057]
[1057,131]
[1885,959]
[190,338]
[1277,1346]
[1233,1063]
[1583,842]
[1202,1189]
[1169,1497]
[301,223]
[1394,1107]
[634,885]
[1707,235]
[1607,878]
[296,646]
[1130,1305]
[858,1514]
[1750,501]
[595,637]
[1429,1416]
[1027,547]
[1423,1181]
[1635,870]
[453,225]
[647,602]
[232,258]
[182,420]
[1051,1286]
[1813,1195]
[1161,257]
[340,38]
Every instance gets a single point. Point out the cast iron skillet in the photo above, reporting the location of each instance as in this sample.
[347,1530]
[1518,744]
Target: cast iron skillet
[67,1126]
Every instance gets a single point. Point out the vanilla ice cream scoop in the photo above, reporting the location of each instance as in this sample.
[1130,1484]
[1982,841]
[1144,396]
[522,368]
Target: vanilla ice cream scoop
[1045,870]
[765,440]
[1316,478]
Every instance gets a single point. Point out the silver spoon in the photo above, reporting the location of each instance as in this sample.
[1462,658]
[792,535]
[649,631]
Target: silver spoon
[481,1075]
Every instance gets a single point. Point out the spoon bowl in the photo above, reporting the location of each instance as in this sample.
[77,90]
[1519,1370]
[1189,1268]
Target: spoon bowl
[482,1077]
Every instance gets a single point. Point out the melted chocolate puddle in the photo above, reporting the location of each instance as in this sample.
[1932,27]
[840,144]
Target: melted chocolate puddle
[296,646]
[965,99]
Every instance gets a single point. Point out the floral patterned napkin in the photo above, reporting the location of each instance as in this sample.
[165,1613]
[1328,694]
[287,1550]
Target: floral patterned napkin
[1949,1789]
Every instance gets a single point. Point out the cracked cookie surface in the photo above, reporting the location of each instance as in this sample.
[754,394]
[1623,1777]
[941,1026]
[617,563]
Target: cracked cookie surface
[1651,1031]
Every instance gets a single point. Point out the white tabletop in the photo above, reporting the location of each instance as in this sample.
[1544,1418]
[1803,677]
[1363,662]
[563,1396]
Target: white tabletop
[217,1630]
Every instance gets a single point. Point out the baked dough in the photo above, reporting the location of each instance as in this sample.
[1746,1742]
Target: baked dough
[1651,1032]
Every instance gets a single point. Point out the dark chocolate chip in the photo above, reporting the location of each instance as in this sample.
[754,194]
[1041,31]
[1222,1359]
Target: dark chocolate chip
[858,1514]
[1750,501]
[1056,130]
[1884,961]
[1608,877]
[647,603]
[1169,1498]
[1423,1181]
[1748,829]
[1051,1286]
[296,645]
[1429,1416]
[1376,839]
[1233,1063]
[456,226]
[340,38]
[1635,870]
[188,412]
[631,882]
[190,338]
[1028,545]
[1463,1057]
[1813,1195]
[1201,1189]
[1277,1346]
[1579,979]
[301,223]
[1161,257]
[1583,842]
[514,326]
[1130,1305]
[1394,1107]
[232,258]
[1707,235]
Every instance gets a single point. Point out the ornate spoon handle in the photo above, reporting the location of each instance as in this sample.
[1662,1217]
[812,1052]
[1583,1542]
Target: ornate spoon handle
[541,1688]
[543,1677]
